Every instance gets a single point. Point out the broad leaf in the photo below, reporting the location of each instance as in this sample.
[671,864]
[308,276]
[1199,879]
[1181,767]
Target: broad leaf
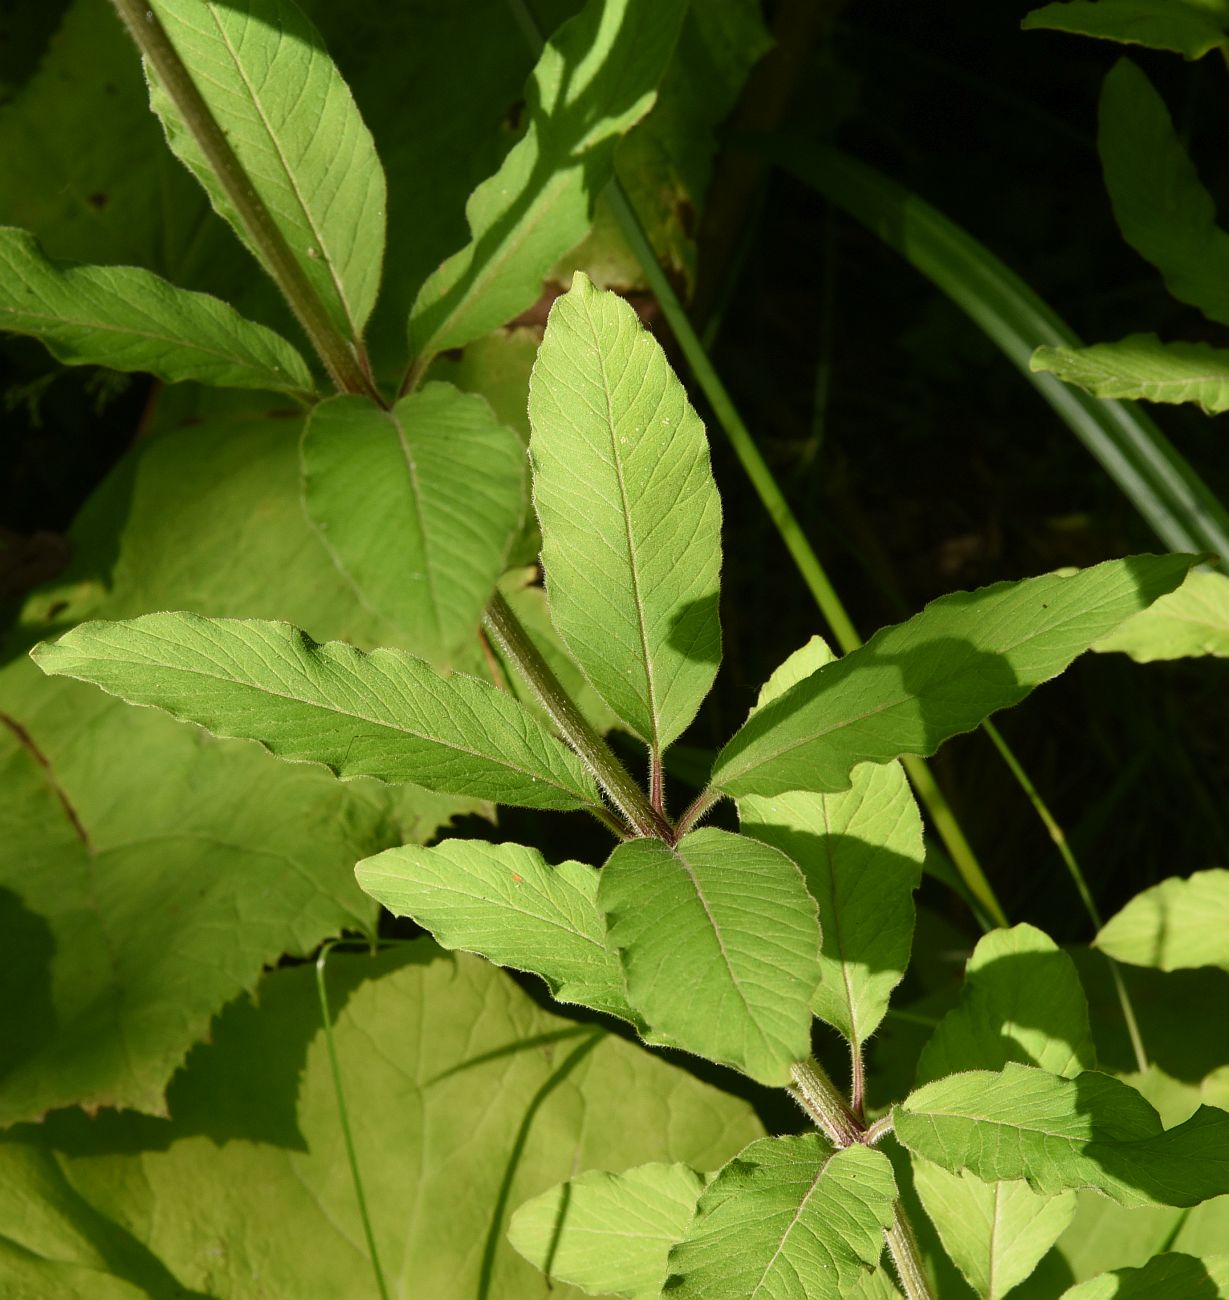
[1143,367]
[719,946]
[1191,28]
[595,79]
[1194,620]
[788,1218]
[1167,1277]
[263,72]
[418,506]
[1090,1132]
[129,319]
[609,1234]
[464,1099]
[631,520]
[383,714]
[1174,925]
[506,903]
[943,672]
[861,854]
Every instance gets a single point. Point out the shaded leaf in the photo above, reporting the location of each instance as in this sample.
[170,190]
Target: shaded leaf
[1191,28]
[943,672]
[1143,367]
[718,942]
[1174,925]
[1194,620]
[631,520]
[1167,1277]
[786,1217]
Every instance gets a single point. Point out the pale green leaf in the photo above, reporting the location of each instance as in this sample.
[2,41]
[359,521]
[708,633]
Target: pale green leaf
[1174,925]
[1191,28]
[1143,367]
[129,319]
[943,672]
[263,72]
[719,944]
[1090,1132]
[464,1099]
[860,853]
[418,506]
[1171,1276]
[506,903]
[609,1234]
[1192,621]
[786,1218]
[596,79]
[384,714]
[631,520]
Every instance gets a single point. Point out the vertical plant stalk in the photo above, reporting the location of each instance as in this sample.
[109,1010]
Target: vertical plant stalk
[906,1257]
[335,351]
[815,1092]
[618,783]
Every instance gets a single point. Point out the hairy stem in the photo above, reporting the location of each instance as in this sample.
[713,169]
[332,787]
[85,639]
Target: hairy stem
[700,807]
[906,1258]
[339,356]
[815,1092]
[615,780]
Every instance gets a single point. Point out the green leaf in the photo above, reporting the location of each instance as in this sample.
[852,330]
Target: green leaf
[504,902]
[1174,925]
[719,946]
[418,506]
[1167,1277]
[1194,620]
[594,81]
[631,520]
[1161,205]
[1141,366]
[609,1234]
[263,72]
[860,853]
[383,714]
[1191,28]
[1088,1132]
[464,1099]
[943,672]
[786,1217]
[129,319]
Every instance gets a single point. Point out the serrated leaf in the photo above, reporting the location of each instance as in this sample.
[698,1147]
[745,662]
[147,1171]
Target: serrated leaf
[631,520]
[464,1099]
[1091,1132]
[719,943]
[1143,367]
[1192,621]
[418,506]
[1172,1276]
[609,1234]
[860,853]
[596,79]
[1175,925]
[385,714]
[786,1218]
[943,672]
[263,72]
[129,319]
[506,903]
[1191,28]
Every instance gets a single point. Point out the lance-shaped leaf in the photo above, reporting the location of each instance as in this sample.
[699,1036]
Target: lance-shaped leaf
[418,506]
[1091,1132]
[861,855]
[719,944]
[1194,620]
[1141,366]
[786,1217]
[609,1234]
[1189,27]
[631,520]
[383,714]
[130,319]
[506,903]
[1172,1276]
[943,672]
[290,119]
[1174,925]
[595,80]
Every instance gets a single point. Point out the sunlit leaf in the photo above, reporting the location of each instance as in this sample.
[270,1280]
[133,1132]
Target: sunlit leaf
[1189,27]
[1171,1276]
[1174,925]
[1194,620]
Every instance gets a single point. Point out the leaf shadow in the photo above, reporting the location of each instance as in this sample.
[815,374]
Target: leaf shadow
[695,630]
[30,949]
